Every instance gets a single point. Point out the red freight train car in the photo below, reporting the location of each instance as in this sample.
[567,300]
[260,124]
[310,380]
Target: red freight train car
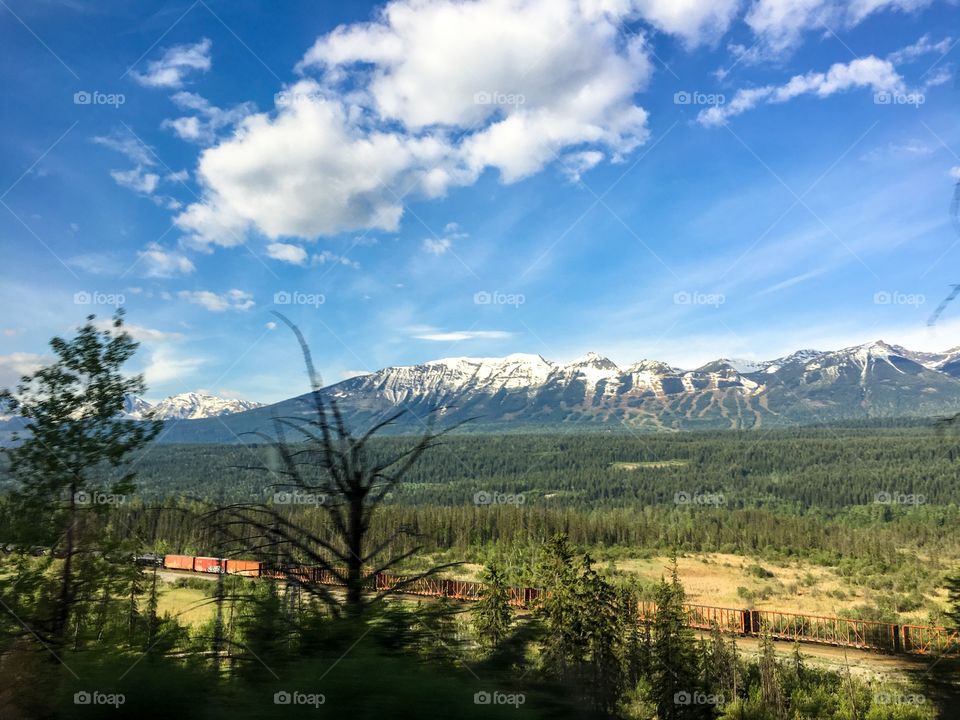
[178,562]
[209,564]
[248,568]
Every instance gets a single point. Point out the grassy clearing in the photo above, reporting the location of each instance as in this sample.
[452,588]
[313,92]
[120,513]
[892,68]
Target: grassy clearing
[649,464]
[727,580]
[188,605]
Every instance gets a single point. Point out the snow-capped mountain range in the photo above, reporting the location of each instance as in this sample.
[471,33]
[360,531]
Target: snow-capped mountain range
[440,381]
[187,406]
[522,390]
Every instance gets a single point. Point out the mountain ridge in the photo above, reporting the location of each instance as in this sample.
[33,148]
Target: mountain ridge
[527,391]
[187,406]
[871,380]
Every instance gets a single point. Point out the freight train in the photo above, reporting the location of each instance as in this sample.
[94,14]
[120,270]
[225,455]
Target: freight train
[824,630]
[415,585]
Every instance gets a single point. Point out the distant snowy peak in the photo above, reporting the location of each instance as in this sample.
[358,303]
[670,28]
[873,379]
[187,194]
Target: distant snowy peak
[187,406]
[742,365]
[135,407]
[802,356]
[653,367]
[517,362]
[868,354]
[441,380]
[190,406]
[595,361]
[736,365]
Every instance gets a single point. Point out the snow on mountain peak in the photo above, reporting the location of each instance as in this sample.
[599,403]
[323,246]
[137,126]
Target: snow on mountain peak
[741,365]
[187,406]
[594,360]
[197,405]
[654,367]
[875,350]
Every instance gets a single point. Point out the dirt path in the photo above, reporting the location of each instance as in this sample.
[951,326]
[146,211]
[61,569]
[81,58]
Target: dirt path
[862,663]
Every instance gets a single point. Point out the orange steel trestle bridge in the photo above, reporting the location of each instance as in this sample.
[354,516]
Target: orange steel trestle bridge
[800,627]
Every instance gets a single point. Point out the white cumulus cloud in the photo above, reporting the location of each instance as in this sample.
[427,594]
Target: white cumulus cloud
[293,254]
[426,97]
[159,263]
[696,21]
[16,365]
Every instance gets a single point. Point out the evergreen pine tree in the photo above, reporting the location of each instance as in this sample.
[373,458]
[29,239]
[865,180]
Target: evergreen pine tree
[675,672]
[492,615]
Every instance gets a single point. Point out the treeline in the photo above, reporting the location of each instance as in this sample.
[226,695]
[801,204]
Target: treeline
[797,469]
[873,534]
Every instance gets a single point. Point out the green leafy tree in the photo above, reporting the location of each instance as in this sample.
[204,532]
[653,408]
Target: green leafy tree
[74,431]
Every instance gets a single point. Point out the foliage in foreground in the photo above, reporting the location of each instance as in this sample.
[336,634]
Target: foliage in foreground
[576,656]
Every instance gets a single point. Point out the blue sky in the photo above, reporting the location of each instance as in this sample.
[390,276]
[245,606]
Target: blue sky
[648,179]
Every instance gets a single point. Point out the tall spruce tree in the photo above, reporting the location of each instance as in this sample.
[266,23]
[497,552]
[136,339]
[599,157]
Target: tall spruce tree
[676,677]
[492,615]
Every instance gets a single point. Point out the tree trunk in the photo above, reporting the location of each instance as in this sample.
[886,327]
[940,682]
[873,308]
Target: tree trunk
[65,600]
[354,559]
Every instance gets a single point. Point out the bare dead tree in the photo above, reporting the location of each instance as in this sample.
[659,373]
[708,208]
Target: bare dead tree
[322,458]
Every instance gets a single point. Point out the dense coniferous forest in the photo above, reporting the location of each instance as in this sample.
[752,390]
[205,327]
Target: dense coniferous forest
[827,468]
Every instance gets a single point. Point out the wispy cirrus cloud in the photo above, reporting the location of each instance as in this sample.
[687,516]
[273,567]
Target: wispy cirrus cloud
[460,335]
[144,177]
[166,365]
[921,47]
[440,245]
[176,63]
[203,126]
[780,25]
[871,72]
[230,300]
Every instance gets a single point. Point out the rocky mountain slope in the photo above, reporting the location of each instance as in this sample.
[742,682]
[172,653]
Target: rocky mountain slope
[527,391]
[187,406]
